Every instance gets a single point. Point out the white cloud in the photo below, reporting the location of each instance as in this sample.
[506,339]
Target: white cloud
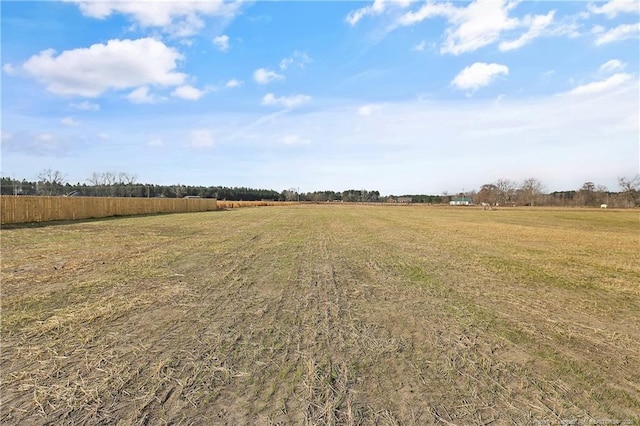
[70,121]
[567,26]
[103,136]
[285,63]
[619,33]
[9,69]
[119,64]
[142,96]
[605,85]
[201,138]
[265,76]
[233,83]
[612,65]
[376,8]
[295,140]
[369,110]
[45,137]
[85,106]
[478,75]
[420,46]
[480,23]
[180,18]
[285,101]
[157,142]
[615,7]
[428,10]
[189,93]
[470,28]
[300,59]
[6,136]
[222,42]
[537,25]
[185,27]
[34,144]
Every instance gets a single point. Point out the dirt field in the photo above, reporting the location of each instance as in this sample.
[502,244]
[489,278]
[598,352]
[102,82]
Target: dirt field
[335,314]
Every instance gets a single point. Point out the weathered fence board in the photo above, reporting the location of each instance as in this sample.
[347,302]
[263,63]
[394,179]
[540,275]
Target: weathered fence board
[24,209]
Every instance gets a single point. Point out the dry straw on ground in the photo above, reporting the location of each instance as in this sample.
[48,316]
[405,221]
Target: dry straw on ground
[325,314]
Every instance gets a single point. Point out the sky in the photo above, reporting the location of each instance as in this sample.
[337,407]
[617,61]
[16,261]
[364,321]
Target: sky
[403,97]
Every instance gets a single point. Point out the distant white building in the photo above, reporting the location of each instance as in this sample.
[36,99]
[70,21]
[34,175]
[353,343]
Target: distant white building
[461,201]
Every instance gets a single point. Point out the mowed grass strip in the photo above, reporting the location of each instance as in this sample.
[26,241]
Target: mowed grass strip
[324,314]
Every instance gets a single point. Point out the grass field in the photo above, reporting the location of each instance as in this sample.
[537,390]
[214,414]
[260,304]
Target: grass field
[324,314]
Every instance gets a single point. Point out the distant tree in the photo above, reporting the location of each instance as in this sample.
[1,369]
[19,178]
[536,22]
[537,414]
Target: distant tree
[97,183]
[320,196]
[592,195]
[562,198]
[630,188]
[11,186]
[128,180]
[290,194]
[352,195]
[629,184]
[531,191]
[51,181]
[489,193]
[506,190]
[587,194]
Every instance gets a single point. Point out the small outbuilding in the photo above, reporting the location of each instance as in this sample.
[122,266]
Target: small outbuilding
[461,201]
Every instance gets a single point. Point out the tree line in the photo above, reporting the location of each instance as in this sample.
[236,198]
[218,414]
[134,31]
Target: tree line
[114,184]
[531,193]
[503,192]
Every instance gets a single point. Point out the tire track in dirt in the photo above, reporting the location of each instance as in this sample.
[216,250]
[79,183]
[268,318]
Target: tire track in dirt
[306,315]
[140,339]
[505,367]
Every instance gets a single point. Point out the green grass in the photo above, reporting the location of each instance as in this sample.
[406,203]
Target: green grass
[325,314]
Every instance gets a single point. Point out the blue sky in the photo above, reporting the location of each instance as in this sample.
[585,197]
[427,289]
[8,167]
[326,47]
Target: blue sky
[398,96]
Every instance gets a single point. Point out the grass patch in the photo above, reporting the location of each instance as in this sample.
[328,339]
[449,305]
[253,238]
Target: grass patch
[324,314]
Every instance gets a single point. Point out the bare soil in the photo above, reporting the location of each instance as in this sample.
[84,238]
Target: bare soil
[316,315]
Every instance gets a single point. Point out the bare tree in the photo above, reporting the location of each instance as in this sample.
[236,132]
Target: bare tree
[630,189]
[591,195]
[128,180]
[113,183]
[97,182]
[531,190]
[506,190]
[586,194]
[110,178]
[179,190]
[290,194]
[52,180]
[95,179]
[629,184]
[488,193]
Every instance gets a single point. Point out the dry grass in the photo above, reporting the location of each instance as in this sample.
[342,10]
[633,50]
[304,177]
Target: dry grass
[324,315]
[224,204]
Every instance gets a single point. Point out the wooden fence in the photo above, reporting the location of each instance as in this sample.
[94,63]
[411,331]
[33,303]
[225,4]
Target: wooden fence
[24,209]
